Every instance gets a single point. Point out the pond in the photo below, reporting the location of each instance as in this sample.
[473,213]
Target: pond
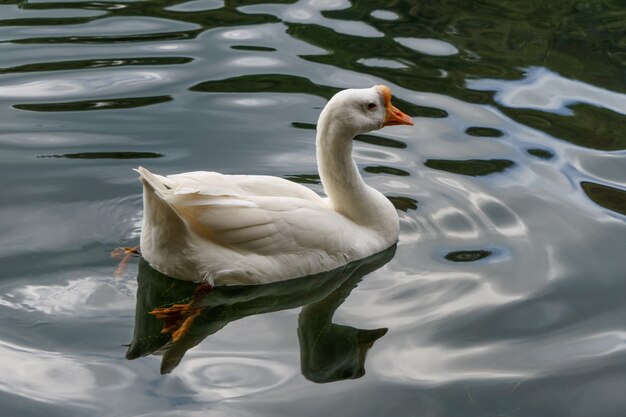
[503,297]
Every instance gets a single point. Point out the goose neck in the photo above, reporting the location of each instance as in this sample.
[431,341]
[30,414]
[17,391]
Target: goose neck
[339,174]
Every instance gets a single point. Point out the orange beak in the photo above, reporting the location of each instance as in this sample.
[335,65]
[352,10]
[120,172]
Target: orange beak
[393,116]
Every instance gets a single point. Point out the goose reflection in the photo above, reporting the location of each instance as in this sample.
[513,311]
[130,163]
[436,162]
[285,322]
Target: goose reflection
[328,351]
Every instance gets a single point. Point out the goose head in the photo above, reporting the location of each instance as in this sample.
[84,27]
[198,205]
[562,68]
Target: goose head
[358,111]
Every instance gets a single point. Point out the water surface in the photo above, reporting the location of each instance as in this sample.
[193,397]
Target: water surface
[504,295]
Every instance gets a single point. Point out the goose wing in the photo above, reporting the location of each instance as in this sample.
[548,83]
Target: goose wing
[255,214]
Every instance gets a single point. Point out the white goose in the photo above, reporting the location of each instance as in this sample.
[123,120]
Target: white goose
[250,229]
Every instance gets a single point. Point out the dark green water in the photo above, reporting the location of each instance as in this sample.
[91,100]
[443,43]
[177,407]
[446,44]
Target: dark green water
[504,297]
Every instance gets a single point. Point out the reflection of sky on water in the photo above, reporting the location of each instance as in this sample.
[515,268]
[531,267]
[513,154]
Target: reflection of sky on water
[89,296]
[310,12]
[222,376]
[196,6]
[97,83]
[117,26]
[8,11]
[546,90]
[383,63]
[434,47]
[55,139]
[44,376]
[536,321]
[257,61]
[49,227]
[385,15]
[455,212]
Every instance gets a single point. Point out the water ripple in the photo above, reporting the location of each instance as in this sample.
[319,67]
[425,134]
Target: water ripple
[196,6]
[310,12]
[505,295]
[89,105]
[51,377]
[84,297]
[433,47]
[95,63]
[121,26]
[28,15]
[385,15]
[47,228]
[222,376]
[96,82]
[545,90]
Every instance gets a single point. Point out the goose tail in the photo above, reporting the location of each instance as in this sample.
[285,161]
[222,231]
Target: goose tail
[154,182]
[161,225]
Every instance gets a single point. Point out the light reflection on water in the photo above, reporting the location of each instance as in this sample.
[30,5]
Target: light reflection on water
[545,90]
[505,295]
[61,87]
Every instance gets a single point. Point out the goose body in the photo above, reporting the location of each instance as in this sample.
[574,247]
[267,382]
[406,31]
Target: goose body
[253,229]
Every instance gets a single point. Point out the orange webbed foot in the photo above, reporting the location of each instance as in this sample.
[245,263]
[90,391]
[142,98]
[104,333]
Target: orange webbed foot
[124,255]
[178,318]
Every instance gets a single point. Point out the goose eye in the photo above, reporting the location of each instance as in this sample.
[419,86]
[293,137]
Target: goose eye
[371,106]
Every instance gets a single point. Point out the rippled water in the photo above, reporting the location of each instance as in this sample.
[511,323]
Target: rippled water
[505,294]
